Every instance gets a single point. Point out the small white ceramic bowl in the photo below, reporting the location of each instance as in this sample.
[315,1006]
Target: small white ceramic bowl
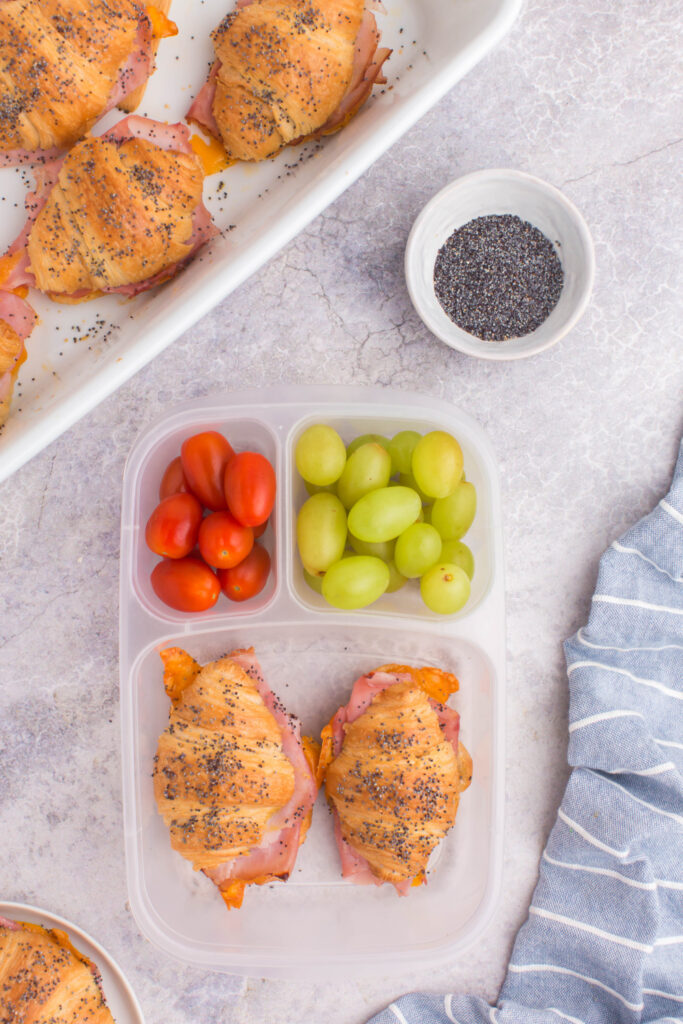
[501,192]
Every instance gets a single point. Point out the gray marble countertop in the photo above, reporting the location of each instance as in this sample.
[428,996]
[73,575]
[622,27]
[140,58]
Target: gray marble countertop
[584,94]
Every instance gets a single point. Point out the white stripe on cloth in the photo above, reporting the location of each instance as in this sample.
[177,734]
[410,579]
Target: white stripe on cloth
[580,830]
[663,995]
[669,743]
[644,803]
[554,969]
[448,1007]
[604,716]
[651,886]
[634,551]
[397,1014]
[632,602]
[625,650]
[657,883]
[671,510]
[658,769]
[565,1016]
[678,694]
[571,922]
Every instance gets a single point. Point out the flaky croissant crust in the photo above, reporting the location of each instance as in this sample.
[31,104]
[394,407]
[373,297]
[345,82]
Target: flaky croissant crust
[46,980]
[284,66]
[396,783]
[120,212]
[59,63]
[220,771]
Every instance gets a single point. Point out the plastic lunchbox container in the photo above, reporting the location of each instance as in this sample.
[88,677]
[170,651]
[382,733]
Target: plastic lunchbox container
[317,924]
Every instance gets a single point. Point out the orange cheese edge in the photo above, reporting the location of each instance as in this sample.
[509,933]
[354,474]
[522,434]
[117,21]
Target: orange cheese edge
[162,27]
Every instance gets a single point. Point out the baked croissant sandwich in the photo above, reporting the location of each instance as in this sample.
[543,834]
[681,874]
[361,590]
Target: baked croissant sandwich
[394,769]
[286,71]
[65,63]
[44,980]
[233,779]
[119,214]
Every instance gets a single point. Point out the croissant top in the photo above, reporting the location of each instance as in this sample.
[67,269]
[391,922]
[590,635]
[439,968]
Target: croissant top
[287,70]
[43,979]
[62,64]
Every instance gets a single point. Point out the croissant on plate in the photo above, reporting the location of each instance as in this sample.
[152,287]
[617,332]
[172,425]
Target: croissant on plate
[394,769]
[43,979]
[287,70]
[233,778]
[65,63]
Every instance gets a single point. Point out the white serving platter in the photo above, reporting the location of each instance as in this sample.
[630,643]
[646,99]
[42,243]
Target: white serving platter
[78,355]
[316,925]
[121,1000]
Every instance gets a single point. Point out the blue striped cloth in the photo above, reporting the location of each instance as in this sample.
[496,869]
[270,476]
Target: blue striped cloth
[603,943]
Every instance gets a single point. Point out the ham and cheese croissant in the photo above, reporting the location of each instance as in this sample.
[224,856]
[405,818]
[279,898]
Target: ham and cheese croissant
[44,979]
[65,63]
[119,214]
[233,778]
[394,769]
[287,70]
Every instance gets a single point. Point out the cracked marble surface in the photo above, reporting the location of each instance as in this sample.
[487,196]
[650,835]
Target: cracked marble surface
[586,95]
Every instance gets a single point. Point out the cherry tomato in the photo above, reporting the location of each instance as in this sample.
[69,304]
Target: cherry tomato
[223,542]
[260,529]
[173,481]
[186,584]
[248,578]
[250,488]
[173,527]
[204,458]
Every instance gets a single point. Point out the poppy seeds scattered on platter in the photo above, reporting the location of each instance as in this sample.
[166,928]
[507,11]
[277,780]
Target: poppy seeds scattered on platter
[498,277]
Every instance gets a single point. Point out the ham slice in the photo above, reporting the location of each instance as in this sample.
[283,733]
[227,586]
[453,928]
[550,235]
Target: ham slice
[285,831]
[137,68]
[367,68]
[305,789]
[354,866]
[201,111]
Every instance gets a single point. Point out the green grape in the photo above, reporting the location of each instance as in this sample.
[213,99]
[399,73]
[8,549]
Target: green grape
[452,516]
[418,548]
[314,582]
[445,588]
[459,554]
[314,489]
[366,439]
[355,582]
[384,549]
[437,464]
[384,513]
[401,450]
[320,455]
[366,469]
[321,532]
[396,580]
[407,480]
